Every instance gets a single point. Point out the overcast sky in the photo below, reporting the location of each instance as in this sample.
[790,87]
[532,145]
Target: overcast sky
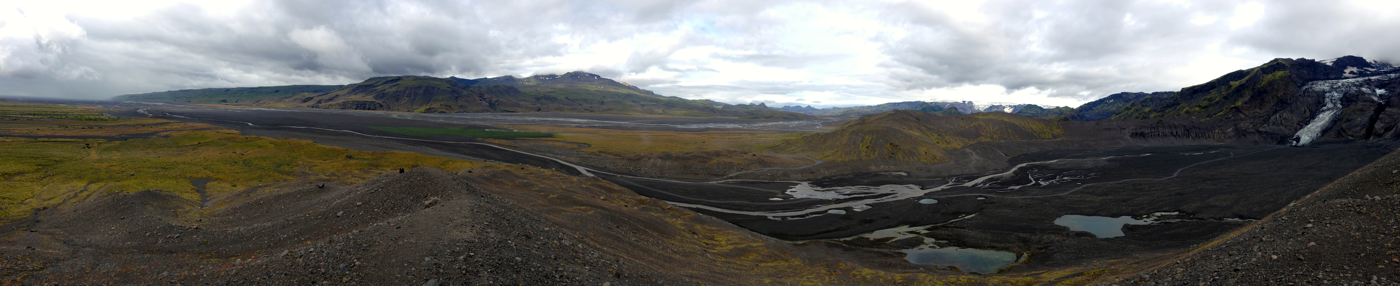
[822,53]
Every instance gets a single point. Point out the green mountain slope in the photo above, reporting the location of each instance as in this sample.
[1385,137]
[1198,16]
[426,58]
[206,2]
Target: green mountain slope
[1240,93]
[415,94]
[1035,111]
[1104,108]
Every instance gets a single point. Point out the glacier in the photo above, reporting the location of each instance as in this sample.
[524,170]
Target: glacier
[1332,105]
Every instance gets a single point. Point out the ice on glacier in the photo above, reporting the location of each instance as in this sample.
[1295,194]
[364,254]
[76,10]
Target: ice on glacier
[1332,104]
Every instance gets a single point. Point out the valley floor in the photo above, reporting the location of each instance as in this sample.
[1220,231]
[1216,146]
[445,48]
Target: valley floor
[615,199]
[1347,233]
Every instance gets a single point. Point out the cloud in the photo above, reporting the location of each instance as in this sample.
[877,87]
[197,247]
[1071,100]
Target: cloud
[331,51]
[34,44]
[819,52]
[1323,30]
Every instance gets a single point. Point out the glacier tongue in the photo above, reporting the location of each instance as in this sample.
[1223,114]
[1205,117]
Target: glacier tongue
[1334,90]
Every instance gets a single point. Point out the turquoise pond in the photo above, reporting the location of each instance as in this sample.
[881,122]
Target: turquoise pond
[1100,226]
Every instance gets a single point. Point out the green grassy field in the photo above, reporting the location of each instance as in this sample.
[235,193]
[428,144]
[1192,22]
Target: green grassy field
[478,133]
[23,111]
[39,172]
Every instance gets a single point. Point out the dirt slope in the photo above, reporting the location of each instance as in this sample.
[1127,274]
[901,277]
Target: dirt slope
[395,229]
[1345,233]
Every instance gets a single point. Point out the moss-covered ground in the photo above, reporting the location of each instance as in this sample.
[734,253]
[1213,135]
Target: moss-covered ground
[38,172]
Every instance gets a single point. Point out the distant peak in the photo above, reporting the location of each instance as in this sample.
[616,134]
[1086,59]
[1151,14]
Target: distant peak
[1351,61]
[569,75]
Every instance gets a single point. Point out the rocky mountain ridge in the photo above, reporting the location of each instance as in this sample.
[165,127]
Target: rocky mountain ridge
[1298,100]
[1105,107]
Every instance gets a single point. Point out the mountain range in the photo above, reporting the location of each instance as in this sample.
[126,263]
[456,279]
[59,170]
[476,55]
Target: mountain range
[1298,99]
[1294,102]
[574,92]
[1205,157]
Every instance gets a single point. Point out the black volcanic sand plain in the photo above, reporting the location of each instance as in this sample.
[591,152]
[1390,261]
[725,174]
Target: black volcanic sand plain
[1214,197]
[1345,233]
[1218,189]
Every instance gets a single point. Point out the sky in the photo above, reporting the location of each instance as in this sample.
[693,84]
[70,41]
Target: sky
[818,53]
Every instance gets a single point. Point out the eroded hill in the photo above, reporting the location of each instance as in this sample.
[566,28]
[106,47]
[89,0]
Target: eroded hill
[912,136]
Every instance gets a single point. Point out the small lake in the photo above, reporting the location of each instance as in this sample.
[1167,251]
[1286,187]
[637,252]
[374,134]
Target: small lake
[970,260]
[1100,226]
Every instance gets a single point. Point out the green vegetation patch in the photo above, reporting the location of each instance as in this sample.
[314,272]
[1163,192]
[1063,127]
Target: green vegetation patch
[37,173]
[478,133]
[17,111]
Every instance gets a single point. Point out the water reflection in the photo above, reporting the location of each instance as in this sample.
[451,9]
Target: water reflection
[970,260]
[1100,226]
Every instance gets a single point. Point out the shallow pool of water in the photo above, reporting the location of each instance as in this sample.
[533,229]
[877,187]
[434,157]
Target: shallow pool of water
[1100,226]
[968,260]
